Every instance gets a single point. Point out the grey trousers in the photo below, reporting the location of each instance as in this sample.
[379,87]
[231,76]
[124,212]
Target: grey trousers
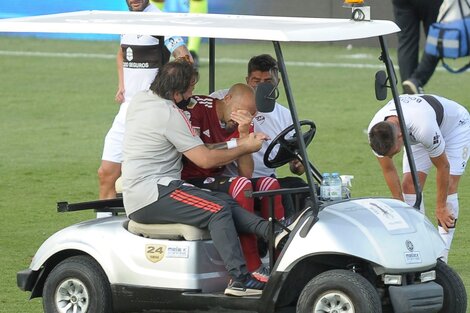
[216,211]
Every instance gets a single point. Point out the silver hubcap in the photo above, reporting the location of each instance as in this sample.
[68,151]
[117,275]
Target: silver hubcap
[333,302]
[72,297]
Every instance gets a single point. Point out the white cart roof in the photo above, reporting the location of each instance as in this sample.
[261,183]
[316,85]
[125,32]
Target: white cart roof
[201,25]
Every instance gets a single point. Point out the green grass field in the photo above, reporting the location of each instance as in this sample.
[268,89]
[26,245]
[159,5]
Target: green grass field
[57,105]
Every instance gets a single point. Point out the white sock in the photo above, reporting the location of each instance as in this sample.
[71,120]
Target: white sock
[453,204]
[410,199]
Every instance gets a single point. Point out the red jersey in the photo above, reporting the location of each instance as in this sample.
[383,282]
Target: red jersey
[205,122]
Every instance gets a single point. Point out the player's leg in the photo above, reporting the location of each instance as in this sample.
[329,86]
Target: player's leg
[423,165]
[267,184]
[458,151]
[110,168]
[181,203]
[236,187]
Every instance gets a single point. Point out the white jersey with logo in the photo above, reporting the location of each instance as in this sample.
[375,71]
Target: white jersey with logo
[139,70]
[271,124]
[421,121]
[141,59]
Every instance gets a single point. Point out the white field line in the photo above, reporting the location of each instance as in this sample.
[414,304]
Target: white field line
[204,60]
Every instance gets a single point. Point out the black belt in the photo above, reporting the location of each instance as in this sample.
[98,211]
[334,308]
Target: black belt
[437,107]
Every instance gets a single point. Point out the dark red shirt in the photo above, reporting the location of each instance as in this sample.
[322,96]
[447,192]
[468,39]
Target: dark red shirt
[205,122]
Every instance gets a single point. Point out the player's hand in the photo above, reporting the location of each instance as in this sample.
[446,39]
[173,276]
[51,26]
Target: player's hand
[254,141]
[445,217]
[244,119]
[119,98]
[296,167]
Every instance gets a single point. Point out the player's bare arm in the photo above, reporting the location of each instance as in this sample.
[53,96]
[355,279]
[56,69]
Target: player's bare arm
[119,97]
[443,213]
[391,176]
[207,158]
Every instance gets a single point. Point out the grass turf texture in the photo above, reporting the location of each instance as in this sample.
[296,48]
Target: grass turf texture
[56,111]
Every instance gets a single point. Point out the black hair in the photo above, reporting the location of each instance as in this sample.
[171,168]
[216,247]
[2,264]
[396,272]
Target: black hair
[175,76]
[382,138]
[263,63]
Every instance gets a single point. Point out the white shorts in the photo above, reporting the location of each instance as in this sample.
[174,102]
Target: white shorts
[112,150]
[457,150]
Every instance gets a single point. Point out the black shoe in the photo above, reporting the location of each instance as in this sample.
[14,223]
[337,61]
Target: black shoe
[195,59]
[282,234]
[412,86]
[245,286]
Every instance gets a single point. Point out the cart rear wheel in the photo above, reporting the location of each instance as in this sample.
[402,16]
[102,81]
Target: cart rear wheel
[77,285]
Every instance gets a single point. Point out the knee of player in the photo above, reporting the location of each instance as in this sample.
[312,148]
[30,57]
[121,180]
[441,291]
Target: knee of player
[241,183]
[268,183]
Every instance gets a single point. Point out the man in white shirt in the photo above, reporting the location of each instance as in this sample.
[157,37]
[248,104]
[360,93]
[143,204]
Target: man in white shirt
[138,59]
[439,131]
[264,68]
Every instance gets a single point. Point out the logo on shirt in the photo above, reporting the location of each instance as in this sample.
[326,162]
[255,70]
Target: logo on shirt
[435,139]
[260,119]
[207,133]
[129,54]
[209,180]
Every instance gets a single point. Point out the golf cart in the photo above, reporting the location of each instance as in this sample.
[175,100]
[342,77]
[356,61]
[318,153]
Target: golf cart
[385,258]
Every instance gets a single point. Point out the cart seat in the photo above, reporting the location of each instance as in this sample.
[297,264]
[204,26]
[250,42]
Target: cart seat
[168,231]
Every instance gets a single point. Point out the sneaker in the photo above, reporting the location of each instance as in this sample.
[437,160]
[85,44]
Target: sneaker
[411,87]
[262,273]
[246,286]
[288,225]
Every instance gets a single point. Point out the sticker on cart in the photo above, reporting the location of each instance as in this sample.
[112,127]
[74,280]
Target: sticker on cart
[178,252]
[412,257]
[155,253]
[390,218]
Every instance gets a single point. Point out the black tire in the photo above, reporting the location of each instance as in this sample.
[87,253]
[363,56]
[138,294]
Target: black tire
[77,283]
[342,290]
[455,295]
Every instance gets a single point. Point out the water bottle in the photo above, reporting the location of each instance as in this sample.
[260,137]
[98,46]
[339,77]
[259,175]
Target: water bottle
[325,187]
[336,187]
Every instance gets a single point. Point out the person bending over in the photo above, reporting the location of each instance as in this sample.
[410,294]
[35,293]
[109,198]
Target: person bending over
[439,131]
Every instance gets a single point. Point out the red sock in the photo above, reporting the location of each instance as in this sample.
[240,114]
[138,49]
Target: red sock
[265,184]
[248,242]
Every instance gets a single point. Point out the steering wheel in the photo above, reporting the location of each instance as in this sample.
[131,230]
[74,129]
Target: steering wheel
[288,147]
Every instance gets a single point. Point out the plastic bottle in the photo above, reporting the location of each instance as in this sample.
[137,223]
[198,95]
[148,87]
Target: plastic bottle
[346,181]
[336,187]
[325,187]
